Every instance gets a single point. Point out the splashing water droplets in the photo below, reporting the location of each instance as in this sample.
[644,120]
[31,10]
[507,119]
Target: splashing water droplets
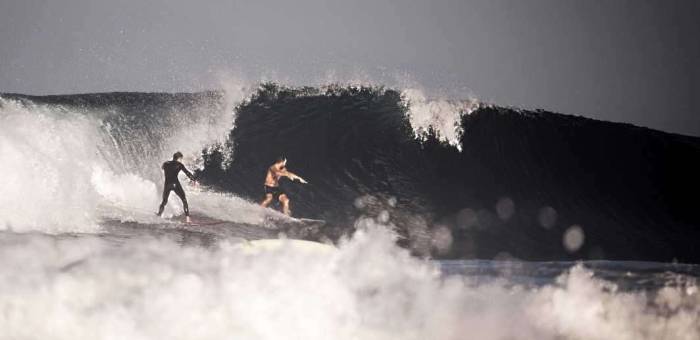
[441,115]
[573,238]
[547,217]
[505,208]
[467,218]
[442,239]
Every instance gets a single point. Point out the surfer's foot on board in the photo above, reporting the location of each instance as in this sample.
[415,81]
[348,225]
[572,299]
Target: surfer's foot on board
[188,220]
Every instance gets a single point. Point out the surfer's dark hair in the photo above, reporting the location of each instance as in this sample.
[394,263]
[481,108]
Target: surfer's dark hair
[279,159]
[177,155]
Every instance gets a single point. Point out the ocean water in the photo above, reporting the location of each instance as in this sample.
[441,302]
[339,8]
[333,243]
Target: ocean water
[91,286]
[412,251]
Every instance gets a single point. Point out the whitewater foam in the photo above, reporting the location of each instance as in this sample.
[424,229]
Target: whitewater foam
[66,167]
[441,115]
[83,288]
[47,163]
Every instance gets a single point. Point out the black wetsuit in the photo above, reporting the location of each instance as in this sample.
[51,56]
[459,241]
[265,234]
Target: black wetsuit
[171,169]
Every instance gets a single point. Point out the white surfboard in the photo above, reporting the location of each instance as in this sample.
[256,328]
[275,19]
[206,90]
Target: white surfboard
[309,221]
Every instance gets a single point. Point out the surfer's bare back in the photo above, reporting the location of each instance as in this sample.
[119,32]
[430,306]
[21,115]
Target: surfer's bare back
[272,184]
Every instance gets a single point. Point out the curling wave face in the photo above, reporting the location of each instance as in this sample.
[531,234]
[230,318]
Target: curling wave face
[491,182]
[498,182]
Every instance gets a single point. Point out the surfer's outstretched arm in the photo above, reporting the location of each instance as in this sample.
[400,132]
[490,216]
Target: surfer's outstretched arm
[292,176]
[187,172]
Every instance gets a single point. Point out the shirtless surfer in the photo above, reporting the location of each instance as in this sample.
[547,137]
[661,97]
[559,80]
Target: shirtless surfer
[272,188]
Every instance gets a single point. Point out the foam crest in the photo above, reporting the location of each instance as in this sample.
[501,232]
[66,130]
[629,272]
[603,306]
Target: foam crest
[46,158]
[441,115]
[581,307]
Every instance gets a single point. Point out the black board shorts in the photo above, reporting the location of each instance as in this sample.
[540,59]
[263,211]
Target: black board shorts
[276,192]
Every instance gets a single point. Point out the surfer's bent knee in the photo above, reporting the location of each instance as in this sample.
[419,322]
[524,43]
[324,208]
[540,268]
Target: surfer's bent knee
[267,200]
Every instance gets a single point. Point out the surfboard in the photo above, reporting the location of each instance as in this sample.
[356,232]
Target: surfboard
[195,221]
[309,221]
[202,223]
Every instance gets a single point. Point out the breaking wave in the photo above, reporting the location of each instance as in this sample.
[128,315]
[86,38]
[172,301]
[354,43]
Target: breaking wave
[72,161]
[395,174]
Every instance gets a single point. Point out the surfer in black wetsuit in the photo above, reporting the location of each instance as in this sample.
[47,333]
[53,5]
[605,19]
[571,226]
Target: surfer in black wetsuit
[171,170]
[272,184]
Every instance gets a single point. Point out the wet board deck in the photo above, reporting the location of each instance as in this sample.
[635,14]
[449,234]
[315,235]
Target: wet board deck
[196,221]
[309,221]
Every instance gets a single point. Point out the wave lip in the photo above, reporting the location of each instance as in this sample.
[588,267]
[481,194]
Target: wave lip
[439,116]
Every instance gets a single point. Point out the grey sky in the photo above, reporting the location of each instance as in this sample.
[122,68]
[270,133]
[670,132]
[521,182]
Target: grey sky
[634,61]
